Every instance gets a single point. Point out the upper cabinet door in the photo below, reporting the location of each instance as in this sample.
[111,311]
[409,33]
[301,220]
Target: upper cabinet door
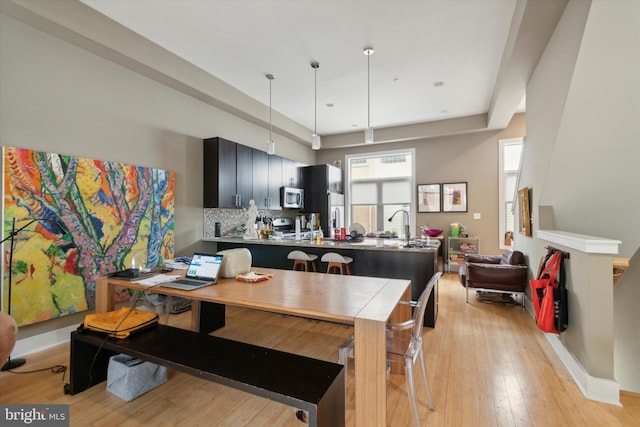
[275,181]
[322,178]
[235,174]
[291,173]
[334,178]
[219,173]
[260,178]
[244,174]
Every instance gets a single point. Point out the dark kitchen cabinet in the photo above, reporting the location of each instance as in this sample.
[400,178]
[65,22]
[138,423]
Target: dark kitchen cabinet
[260,178]
[244,177]
[226,185]
[326,177]
[334,178]
[267,180]
[235,174]
[275,181]
[291,173]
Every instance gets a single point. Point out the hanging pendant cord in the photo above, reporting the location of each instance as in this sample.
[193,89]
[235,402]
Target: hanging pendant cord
[270,122]
[368,91]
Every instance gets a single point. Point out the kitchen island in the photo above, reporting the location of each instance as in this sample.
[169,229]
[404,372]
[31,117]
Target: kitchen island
[391,260]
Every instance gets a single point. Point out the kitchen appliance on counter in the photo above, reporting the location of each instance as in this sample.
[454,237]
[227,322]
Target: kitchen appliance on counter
[291,198]
[286,228]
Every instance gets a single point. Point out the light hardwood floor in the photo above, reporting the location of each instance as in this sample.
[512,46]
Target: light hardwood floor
[487,364]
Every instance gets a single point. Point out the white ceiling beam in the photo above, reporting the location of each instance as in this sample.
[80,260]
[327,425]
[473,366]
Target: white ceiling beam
[532,26]
[88,29]
[424,130]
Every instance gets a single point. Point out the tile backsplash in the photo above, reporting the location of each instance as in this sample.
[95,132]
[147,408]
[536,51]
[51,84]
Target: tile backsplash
[229,219]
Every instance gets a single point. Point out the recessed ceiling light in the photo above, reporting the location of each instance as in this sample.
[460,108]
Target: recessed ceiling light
[438,83]
[395,81]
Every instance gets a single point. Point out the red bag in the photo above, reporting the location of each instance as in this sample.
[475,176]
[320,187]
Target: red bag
[549,296]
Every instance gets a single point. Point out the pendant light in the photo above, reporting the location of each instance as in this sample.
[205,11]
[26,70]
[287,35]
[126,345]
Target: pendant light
[315,139]
[271,145]
[368,132]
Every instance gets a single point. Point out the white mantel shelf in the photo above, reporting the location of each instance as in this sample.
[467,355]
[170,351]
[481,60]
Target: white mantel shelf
[580,242]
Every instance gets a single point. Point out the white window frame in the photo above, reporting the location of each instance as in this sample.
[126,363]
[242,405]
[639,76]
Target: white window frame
[347,186]
[502,198]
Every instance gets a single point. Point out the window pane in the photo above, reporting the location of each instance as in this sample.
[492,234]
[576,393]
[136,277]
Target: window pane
[365,215]
[364,193]
[388,166]
[512,156]
[510,222]
[396,192]
[509,185]
[379,184]
[396,225]
[509,164]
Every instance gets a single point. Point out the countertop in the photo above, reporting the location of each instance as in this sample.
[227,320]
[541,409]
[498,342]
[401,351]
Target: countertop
[388,244]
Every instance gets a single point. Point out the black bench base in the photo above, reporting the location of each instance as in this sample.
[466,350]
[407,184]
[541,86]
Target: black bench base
[313,385]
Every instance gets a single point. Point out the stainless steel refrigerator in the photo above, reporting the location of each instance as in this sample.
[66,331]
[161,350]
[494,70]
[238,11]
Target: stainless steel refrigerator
[323,195]
[335,213]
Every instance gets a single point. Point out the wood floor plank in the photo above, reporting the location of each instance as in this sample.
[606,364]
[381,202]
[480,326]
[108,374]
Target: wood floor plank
[487,365]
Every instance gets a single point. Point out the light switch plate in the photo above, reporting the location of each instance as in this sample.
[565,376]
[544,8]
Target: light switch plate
[476,215]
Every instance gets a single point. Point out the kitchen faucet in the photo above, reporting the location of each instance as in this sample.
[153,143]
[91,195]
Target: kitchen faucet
[407,227]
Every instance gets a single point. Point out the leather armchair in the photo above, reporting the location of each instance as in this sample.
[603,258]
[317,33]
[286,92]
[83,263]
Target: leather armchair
[506,273]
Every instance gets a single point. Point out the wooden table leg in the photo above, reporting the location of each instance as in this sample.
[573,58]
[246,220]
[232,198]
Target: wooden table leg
[371,374]
[105,296]
[371,352]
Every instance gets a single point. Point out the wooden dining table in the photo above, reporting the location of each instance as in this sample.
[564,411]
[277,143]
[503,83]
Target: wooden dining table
[367,303]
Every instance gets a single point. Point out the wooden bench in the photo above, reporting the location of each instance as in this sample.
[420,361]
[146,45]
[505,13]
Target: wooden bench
[312,385]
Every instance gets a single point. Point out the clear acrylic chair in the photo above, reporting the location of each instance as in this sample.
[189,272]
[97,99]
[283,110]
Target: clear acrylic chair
[405,345]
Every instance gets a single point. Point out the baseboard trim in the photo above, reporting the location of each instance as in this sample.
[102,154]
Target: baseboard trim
[594,388]
[41,342]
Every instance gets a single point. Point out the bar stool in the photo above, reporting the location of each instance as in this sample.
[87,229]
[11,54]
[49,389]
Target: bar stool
[302,259]
[337,262]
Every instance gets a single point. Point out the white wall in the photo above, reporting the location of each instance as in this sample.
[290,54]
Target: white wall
[60,98]
[597,146]
[470,157]
[581,160]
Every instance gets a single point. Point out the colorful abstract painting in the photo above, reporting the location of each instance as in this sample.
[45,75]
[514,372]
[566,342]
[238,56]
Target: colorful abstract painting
[107,212]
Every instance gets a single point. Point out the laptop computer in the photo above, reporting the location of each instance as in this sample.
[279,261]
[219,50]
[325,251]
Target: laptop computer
[203,271]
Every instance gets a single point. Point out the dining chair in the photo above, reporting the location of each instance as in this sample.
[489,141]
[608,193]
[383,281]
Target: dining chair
[406,345]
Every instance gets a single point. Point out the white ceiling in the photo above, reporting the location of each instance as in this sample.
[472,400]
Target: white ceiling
[417,43]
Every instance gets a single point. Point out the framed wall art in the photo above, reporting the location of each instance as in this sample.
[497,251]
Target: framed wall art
[524,214]
[109,211]
[429,198]
[454,197]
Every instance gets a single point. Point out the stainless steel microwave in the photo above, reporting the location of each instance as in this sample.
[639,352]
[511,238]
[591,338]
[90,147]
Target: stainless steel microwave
[292,198]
